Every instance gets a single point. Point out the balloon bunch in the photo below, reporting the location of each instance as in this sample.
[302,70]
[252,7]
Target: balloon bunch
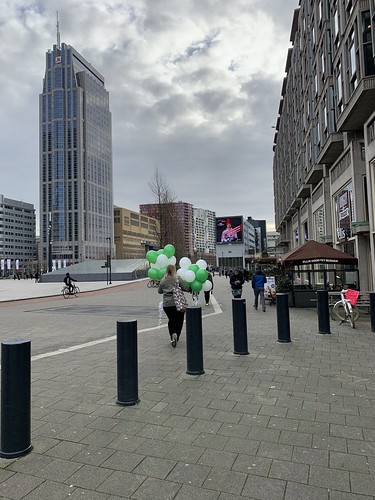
[159,260]
[195,275]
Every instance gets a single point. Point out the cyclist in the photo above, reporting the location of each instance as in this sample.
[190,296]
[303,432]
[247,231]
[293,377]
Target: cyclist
[68,280]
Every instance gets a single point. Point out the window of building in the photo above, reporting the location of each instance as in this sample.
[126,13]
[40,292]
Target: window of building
[339,88]
[368,55]
[352,62]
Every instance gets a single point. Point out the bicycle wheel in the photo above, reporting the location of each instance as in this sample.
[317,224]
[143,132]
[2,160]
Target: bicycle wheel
[76,291]
[339,311]
[66,293]
[353,316]
[150,284]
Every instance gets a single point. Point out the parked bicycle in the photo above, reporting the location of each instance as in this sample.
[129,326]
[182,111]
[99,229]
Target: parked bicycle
[153,283]
[67,293]
[345,309]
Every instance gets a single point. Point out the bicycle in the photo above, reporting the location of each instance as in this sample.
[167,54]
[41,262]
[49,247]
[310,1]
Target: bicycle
[153,283]
[345,309]
[67,293]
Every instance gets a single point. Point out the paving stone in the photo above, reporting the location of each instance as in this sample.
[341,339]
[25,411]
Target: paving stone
[50,490]
[362,484]
[289,471]
[123,461]
[18,485]
[310,456]
[154,467]
[248,464]
[216,458]
[189,492]
[275,451]
[157,490]
[329,478]
[121,483]
[186,473]
[226,481]
[264,488]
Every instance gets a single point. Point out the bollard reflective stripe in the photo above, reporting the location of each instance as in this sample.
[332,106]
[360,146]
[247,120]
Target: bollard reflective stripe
[283,322]
[127,363]
[239,326]
[194,341]
[15,398]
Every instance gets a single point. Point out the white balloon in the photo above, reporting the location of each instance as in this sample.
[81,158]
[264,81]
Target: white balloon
[181,272]
[172,260]
[189,276]
[162,260]
[207,285]
[185,262]
[202,264]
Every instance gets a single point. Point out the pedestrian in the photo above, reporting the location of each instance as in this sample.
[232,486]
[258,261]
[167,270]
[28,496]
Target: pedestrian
[226,274]
[207,294]
[236,283]
[175,317]
[258,281]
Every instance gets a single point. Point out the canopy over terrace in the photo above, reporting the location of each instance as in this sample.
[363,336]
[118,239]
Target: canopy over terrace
[314,252]
[315,265]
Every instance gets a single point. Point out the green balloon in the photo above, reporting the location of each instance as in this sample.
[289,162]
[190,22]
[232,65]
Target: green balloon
[161,272]
[151,256]
[196,286]
[169,251]
[193,267]
[160,252]
[201,275]
[153,273]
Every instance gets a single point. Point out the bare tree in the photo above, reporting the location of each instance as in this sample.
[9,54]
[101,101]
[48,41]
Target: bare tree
[170,229]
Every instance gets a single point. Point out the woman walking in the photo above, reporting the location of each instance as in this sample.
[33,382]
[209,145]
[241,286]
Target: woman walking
[175,317]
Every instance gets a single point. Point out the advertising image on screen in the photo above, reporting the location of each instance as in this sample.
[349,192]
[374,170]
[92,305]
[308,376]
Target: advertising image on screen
[229,229]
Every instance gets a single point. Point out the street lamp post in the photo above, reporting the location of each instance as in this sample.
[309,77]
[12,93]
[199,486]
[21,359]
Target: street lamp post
[109,263]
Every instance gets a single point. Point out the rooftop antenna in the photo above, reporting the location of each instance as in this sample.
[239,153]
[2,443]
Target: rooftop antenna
[58,30]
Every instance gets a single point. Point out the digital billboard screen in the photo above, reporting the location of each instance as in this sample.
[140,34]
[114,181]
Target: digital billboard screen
[229,229]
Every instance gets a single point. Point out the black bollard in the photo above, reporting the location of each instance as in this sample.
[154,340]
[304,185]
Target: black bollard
[323,312]
[194,341]
[239,326]
[127,363]
[15,398]
[283,322]
[372,310]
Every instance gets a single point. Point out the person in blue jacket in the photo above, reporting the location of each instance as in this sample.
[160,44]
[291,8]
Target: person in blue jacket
[258,281]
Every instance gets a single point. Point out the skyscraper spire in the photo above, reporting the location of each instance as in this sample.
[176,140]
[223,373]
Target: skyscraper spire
[58,30]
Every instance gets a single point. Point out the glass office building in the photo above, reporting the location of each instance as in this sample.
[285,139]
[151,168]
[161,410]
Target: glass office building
[76,185]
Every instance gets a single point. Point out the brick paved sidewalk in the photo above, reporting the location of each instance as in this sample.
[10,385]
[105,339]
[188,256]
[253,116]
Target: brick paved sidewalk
[288,421]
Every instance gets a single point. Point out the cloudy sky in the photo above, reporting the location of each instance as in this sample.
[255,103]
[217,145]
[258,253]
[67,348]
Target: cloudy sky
[194,91]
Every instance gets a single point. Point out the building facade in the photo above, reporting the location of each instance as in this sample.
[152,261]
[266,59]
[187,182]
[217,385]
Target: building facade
[205,234]
[76,186]
[324,151]
[176,225]
[17,237]
[135,234]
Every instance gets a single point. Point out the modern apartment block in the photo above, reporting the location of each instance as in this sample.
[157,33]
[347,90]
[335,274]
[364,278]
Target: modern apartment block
[135,234]
[179,225]
[204,232]
[17,236]
[76,186]
[324,145]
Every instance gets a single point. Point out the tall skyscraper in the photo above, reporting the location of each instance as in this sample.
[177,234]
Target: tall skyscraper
[75,161]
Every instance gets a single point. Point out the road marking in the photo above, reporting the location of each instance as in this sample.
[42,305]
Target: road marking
[217,310]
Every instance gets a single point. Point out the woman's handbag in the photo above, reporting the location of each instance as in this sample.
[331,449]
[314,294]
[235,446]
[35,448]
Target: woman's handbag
[179,298]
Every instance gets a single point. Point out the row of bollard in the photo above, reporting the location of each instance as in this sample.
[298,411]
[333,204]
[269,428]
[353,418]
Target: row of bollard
[15,422]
